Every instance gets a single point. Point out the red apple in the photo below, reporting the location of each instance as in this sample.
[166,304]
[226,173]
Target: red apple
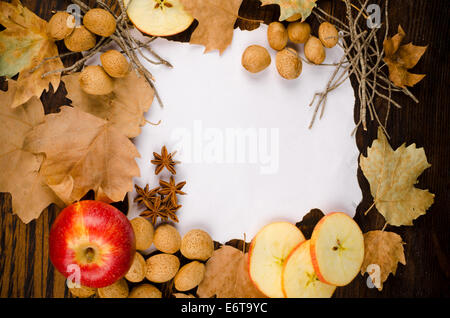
[92,240]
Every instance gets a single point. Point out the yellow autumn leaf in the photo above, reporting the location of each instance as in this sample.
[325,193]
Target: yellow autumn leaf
[392,176]
[20,172]
[24,44]
[382,253]
[290,7]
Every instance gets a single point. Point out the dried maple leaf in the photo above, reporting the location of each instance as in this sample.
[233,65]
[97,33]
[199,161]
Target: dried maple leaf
[392,176]
[124,108]
[84,152]
[383,251]
[226,276]
[24,44]
[290,7]
[20,169]
[216,19]
[400,59]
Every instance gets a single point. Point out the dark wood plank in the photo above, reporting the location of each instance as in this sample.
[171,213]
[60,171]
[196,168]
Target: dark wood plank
[425,22]
[25,269]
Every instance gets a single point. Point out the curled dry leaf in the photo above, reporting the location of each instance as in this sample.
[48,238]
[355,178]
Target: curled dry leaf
[288,8]
[392,176]
[84,152]
[216,19]
[124,108]
[400,58]
[20,172]
[24,44]
[383,251]
[227,276]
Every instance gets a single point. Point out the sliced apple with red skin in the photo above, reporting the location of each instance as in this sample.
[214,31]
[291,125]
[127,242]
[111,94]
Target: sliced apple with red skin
[268,250]
[337,249]
[158,17]
[299,280]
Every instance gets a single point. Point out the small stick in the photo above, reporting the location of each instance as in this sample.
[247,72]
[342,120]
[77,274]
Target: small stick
[329,16]
[370,208]
[365,57]
[328,88]
[388,107]
[147,47]
[80,63]
[323,64]
[51,58]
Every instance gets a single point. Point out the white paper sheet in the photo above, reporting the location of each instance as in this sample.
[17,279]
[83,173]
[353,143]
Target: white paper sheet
[280,171]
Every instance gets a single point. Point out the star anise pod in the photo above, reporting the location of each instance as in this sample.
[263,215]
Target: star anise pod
[144,194]
[170,190]
[155,209]
[172,210]
[164,160]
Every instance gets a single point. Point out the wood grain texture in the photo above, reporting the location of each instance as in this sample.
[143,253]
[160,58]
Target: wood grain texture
[25,268]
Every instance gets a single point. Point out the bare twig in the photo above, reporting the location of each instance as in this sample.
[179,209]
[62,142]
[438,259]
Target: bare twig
[79,64]
[45,60]
[364,60]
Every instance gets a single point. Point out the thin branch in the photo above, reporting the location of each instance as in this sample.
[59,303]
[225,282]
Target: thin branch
[77,65]
[364,61]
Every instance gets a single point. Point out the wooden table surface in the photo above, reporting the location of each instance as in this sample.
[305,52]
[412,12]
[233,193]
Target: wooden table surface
[25,268]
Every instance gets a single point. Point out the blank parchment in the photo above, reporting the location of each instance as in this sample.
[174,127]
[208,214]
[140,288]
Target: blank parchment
[243,140]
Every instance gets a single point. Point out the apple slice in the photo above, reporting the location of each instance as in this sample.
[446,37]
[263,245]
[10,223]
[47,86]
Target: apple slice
[299,280]
[158,17]
[268,251]
[337,249]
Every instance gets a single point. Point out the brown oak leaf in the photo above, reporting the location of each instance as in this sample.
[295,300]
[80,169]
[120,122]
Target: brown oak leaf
[20,172]
[24,44]
[400,58]
[383,251]
[392,176]
[226,276]
[216,19]
[124,108]
[84,152]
